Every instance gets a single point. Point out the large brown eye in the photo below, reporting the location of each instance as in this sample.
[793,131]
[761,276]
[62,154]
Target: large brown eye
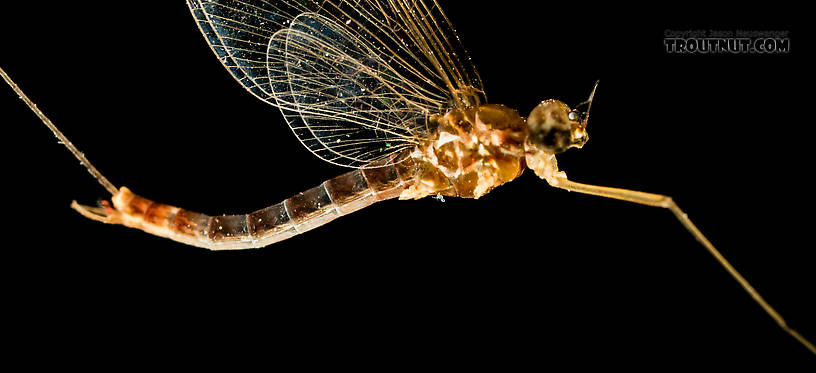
[549,126]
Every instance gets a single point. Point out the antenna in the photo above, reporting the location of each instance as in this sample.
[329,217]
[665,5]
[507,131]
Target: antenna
[589,102]
[589,106]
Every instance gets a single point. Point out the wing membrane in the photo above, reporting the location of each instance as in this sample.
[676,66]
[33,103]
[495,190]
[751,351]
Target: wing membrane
[341,97]
[239,31]
[388,65]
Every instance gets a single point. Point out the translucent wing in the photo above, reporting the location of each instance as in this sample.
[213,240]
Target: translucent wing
[356,80]
[343,99]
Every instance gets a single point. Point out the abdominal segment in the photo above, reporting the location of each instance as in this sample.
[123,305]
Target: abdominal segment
[472,151]
[336,197]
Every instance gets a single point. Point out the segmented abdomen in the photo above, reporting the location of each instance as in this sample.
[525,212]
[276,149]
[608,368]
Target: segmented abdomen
[336,197]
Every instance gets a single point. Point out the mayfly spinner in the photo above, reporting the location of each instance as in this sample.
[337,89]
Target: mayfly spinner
[386,89]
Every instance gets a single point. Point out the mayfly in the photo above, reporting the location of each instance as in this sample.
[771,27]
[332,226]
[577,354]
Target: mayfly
[384,88]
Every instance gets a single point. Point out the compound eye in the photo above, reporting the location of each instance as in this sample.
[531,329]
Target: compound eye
[574,116]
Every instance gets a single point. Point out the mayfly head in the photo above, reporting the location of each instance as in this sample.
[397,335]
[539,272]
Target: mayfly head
[553,127]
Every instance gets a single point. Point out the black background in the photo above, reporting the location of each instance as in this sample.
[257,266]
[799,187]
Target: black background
[526,275]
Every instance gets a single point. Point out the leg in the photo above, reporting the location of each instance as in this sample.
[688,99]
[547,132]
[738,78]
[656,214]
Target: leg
[560,181]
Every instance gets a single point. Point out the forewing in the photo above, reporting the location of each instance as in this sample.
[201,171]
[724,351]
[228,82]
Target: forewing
[342,97]
[239,31]
[407,62]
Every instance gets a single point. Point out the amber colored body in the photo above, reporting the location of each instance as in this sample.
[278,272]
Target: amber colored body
[472,151]
[469,151]
[336,197]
